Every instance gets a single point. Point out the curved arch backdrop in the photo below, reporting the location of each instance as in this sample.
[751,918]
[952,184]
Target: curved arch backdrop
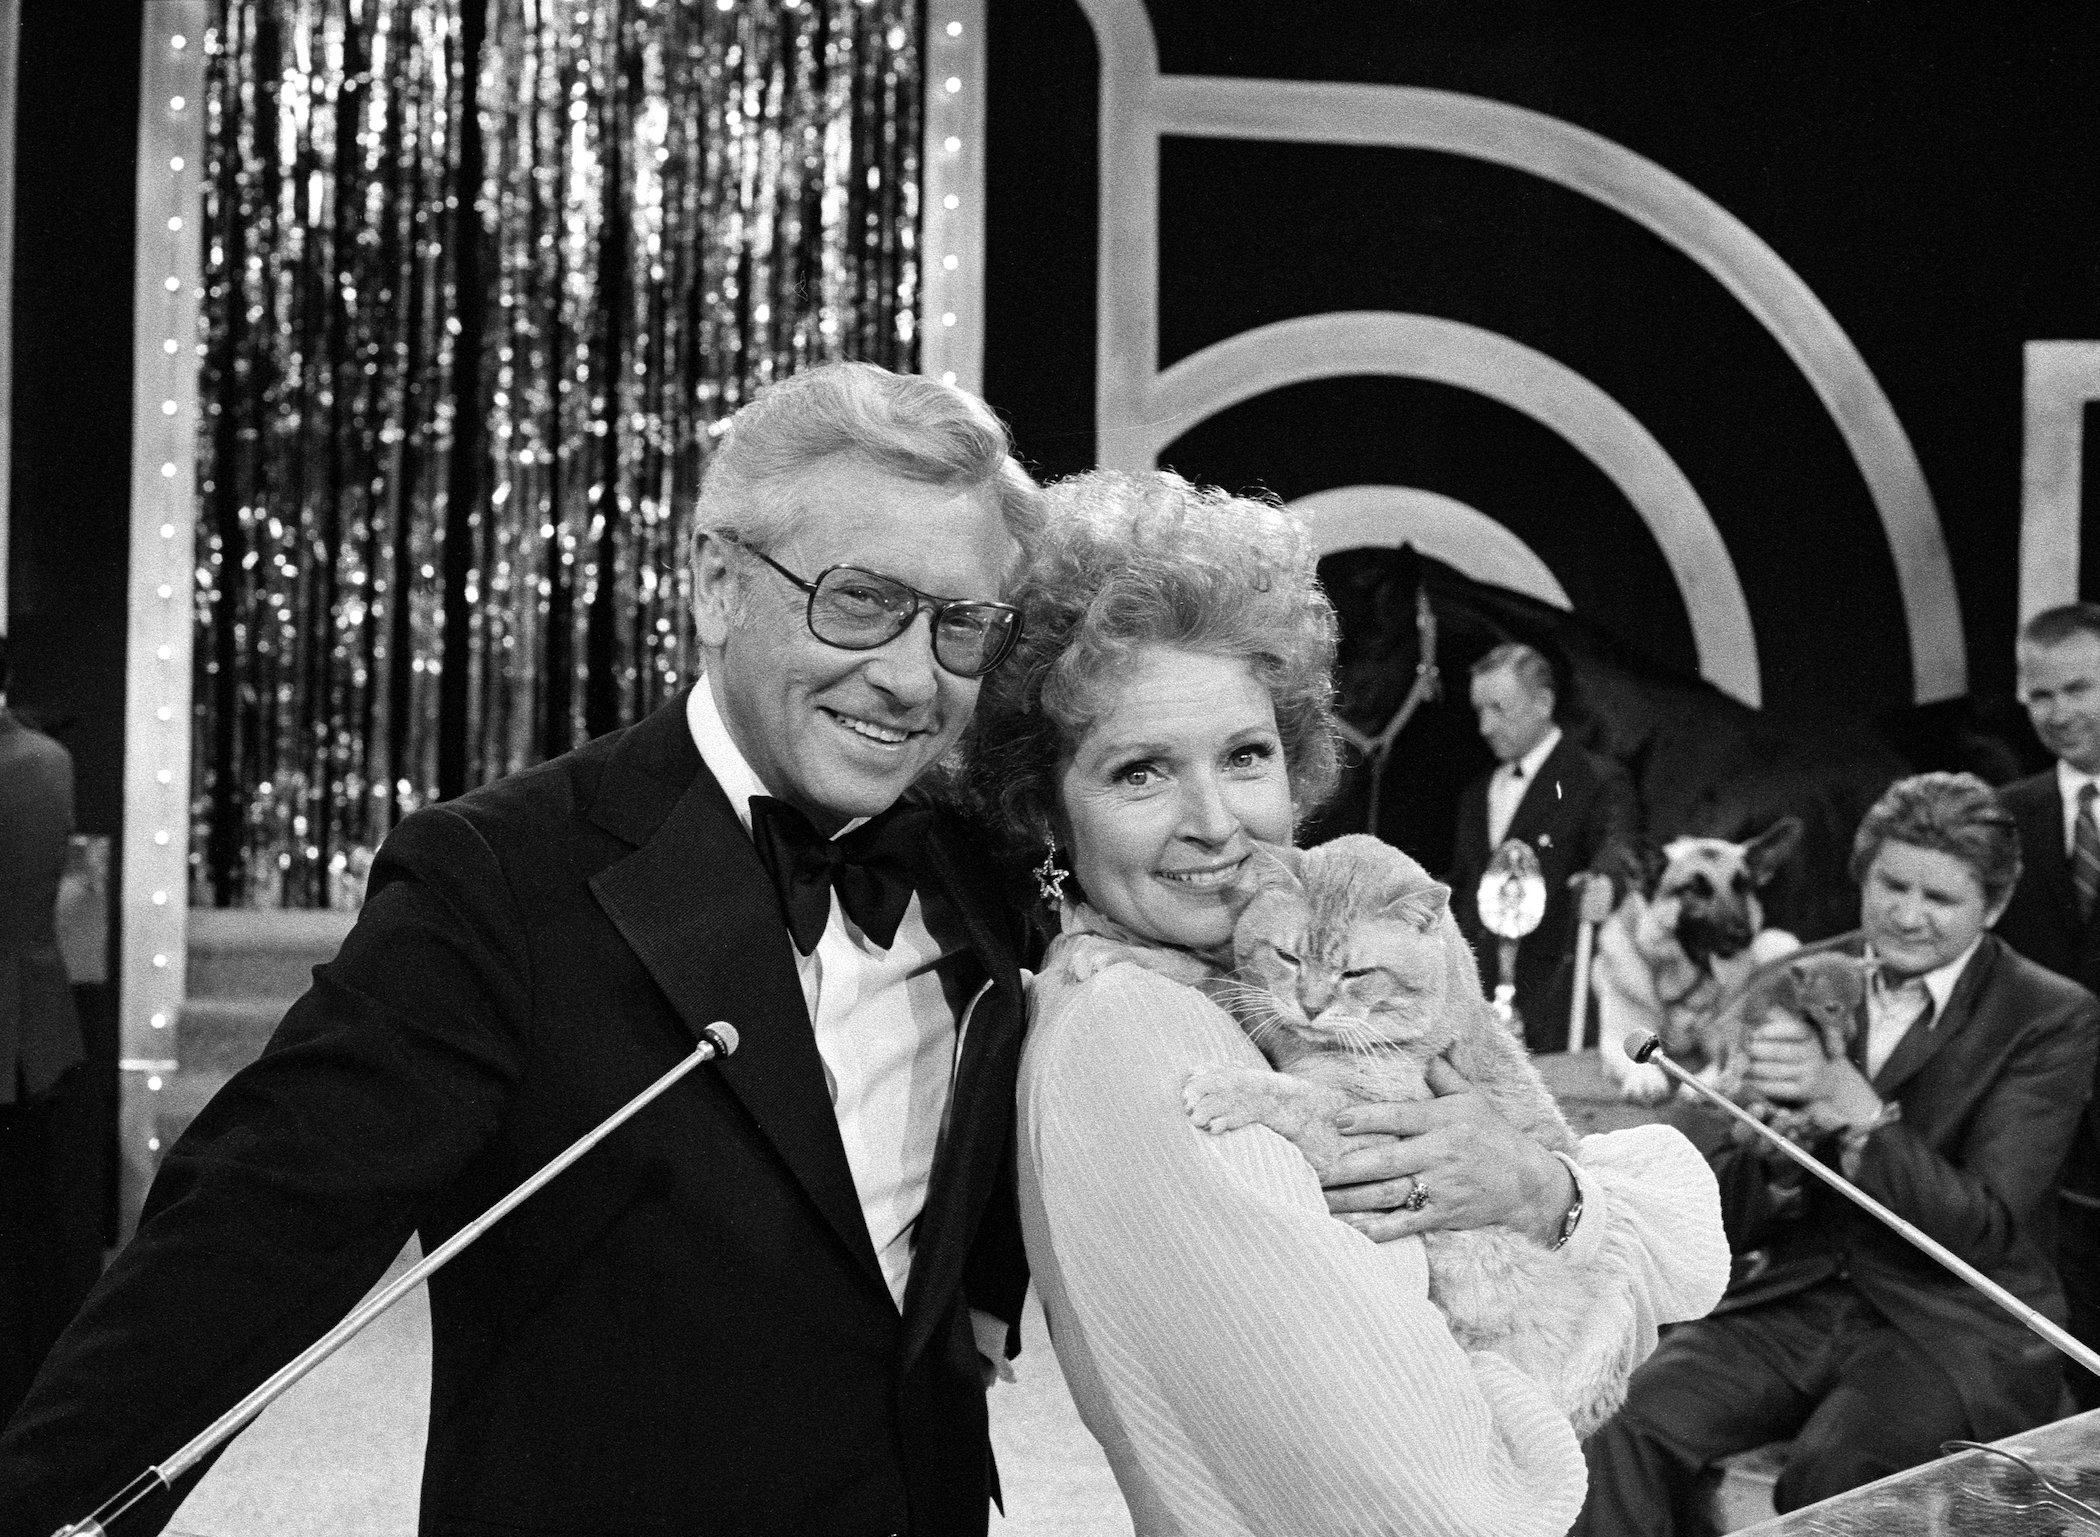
[1795,257]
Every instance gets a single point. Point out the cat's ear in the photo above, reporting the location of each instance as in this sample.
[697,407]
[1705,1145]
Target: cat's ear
[1275,867]
[1423,907]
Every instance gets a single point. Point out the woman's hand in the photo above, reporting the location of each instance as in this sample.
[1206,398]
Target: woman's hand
[1787,1066]
[1457,1164]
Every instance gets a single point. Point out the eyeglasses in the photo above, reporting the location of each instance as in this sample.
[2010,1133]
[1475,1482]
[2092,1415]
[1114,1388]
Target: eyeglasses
[858,610]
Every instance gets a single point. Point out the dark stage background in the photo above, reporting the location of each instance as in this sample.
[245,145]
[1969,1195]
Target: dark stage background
[1927,169]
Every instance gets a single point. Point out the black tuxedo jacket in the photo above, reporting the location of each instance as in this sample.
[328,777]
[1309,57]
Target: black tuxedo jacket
[1991,1095]
[1577,810]
[685,1332]
[2042,923]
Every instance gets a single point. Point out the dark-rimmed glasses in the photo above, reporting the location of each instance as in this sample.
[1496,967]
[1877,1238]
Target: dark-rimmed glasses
[857,610]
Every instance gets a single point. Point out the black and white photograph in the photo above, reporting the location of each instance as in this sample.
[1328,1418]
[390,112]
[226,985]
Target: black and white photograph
[1474,913]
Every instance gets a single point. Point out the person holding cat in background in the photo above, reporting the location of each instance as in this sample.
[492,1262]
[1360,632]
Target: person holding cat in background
[1251,1364]
[1575,809]
[2054,917]
[1954,1110]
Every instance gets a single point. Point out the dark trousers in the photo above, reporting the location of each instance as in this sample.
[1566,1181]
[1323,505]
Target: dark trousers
[1823,1367]
[50,1226]
[2078,1263]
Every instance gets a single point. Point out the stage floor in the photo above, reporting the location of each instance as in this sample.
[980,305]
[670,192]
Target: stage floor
[342,1452]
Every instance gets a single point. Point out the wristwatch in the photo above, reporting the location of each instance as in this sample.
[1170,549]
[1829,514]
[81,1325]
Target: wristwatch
[1574,1212]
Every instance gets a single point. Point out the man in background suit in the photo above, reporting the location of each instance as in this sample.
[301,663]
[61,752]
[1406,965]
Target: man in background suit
[2055,913]
[1963,1091]
[40,1041]
[770,1304]
[1576,811]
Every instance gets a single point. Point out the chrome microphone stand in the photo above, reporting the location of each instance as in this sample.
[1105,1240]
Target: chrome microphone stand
[716,1040]
[1643,1047]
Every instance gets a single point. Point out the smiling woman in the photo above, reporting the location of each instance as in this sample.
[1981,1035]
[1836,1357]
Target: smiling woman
[1165,795]
[1249,1363]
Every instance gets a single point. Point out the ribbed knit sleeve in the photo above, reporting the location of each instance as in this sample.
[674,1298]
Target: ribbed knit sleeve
[1251,1365]
[1650,1250]
[1661,1240]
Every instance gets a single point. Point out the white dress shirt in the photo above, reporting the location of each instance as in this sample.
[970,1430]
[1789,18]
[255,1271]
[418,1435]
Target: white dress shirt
[884,1028]
[1892,1011]
[1507,786]
[2069,782]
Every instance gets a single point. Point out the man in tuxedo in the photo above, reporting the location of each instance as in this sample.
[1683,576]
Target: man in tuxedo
[1576,811]
[1961,1093]
[771,1302]
[2053,916]
[42,1274]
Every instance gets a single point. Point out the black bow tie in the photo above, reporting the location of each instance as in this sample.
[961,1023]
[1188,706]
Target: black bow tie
[869,868]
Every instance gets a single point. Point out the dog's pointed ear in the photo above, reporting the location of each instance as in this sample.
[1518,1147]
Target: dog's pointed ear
[1639,863]
[1764,854]
[1423,907]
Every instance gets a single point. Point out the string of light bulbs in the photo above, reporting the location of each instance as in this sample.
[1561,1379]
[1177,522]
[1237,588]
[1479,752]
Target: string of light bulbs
[951,207]
[153,900]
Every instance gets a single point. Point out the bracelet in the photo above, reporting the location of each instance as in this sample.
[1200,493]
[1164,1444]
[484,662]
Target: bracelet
[1574,1213]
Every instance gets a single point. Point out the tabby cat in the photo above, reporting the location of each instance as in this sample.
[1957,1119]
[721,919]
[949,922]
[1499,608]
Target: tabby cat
[1349,976]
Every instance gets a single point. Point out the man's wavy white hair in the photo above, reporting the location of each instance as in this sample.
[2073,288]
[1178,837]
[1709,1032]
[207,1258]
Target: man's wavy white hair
[912,427]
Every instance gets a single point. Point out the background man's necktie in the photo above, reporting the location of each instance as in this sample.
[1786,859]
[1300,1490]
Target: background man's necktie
[2085,852]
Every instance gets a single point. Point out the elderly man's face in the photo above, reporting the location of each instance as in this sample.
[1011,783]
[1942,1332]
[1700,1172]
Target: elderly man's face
[1513,718]
[1921,908]
[841,734]
[2060,685]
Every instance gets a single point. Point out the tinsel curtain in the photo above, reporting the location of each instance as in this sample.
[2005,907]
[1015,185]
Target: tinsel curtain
[483,278]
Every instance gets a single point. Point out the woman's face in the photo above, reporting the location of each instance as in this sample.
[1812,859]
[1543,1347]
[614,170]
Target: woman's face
[1165,794]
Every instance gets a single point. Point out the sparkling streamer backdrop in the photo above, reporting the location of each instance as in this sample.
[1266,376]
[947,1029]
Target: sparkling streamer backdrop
[483,278]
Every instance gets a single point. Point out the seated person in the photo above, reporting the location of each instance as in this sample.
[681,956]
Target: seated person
[1971,1069]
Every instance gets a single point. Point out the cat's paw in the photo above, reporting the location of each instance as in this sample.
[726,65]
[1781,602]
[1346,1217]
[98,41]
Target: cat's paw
[1645,1084]
[1216,1099]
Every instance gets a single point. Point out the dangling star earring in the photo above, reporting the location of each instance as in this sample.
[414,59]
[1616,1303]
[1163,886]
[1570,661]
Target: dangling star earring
[1049,875]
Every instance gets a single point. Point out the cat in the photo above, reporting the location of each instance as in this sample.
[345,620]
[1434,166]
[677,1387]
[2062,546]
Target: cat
[1350,976]
[1821,986]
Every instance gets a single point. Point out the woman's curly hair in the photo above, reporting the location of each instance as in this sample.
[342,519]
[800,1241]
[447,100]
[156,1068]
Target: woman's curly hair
[1129,561]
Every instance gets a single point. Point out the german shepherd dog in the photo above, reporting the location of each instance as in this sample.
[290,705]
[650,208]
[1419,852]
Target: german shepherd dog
[1684,938]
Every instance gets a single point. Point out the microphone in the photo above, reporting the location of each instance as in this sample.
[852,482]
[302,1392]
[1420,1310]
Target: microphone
[716,1040]
[1641,1046]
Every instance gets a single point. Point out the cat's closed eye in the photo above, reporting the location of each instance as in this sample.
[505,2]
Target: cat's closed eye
[1357,973]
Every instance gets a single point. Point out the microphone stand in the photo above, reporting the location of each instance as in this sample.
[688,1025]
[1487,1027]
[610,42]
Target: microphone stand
[716,1040]
[1643,1047]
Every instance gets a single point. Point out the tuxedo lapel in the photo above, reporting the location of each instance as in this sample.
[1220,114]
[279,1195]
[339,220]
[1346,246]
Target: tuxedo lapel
[1470,846]
[1548,791]
[1920,1044]
[696,906]
[980,1103]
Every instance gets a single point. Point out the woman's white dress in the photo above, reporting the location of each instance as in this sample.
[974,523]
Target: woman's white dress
[1252,1365]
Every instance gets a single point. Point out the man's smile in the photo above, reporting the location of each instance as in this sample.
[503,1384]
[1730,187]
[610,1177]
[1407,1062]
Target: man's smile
[873,731]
